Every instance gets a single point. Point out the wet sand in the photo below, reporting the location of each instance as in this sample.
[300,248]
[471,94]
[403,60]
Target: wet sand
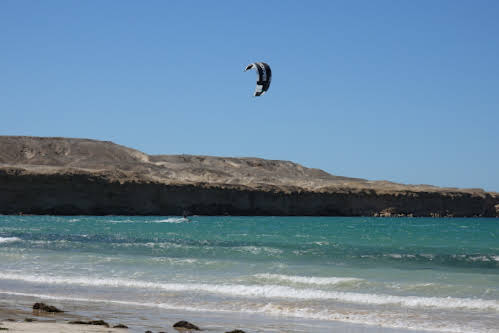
[20,319]
[55,327]
[14,311]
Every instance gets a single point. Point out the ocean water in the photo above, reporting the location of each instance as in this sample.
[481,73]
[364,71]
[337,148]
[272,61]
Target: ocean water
[275,274]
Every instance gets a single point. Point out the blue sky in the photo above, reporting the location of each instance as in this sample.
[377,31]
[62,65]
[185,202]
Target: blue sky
[406,91]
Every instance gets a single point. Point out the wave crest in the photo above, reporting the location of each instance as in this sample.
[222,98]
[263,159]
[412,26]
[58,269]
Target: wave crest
[269,291]
[5,240]
[307,279]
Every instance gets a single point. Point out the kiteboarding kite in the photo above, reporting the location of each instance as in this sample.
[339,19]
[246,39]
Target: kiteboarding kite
[264,76]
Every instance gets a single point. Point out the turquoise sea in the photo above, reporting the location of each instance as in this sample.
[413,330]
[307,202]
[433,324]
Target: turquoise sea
[260,274]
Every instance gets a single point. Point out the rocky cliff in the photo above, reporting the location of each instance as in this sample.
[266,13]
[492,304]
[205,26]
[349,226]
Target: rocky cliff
[79,176]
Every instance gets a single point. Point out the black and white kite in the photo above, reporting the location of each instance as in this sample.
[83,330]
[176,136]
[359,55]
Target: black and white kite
[264,76]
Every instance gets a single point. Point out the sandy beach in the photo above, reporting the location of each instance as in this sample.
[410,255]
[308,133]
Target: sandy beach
[17,315]
[21,319]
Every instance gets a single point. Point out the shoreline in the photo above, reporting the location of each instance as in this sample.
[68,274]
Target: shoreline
[18,320]
[54,327]
[17,315]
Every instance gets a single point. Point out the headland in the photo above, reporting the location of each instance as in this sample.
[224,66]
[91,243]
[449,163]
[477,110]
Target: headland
[69,176]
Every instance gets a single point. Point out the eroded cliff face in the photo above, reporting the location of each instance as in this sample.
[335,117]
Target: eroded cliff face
[88,177]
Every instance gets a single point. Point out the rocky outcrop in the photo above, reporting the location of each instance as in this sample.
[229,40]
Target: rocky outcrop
[120,326]
[90,322]
[89,177]
[186,325]
[45,307]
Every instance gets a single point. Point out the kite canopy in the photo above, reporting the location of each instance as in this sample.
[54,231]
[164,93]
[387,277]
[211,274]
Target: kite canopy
[264,76]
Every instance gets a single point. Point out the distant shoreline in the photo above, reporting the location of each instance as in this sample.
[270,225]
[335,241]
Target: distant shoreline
[90,194]
[298,216]
[63,176]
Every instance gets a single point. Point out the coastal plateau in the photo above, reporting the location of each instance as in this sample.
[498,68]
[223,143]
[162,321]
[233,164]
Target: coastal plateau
[67,176]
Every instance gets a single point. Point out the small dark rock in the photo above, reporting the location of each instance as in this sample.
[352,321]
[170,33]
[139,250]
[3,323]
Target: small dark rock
[4,329]
[98,322]
[91,322]
[147,332]
[45,307]
[186,325]
[120,326]
[236,331]
[29,320]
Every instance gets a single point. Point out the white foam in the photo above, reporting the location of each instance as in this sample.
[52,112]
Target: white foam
[5,240]
[268,291]
[167,220]
[48,242]
[390,320]
[395,256]
[152,245]
[258,250]
[170,220]
[476,258]
[179,261]
[307,279]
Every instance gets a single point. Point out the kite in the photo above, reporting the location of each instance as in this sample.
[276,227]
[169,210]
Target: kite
[264,76]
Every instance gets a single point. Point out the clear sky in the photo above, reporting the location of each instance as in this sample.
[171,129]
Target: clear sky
[401,90]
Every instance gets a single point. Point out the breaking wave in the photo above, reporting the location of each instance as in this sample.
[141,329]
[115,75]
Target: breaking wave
[307,280]
[5,240]
[267,291]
